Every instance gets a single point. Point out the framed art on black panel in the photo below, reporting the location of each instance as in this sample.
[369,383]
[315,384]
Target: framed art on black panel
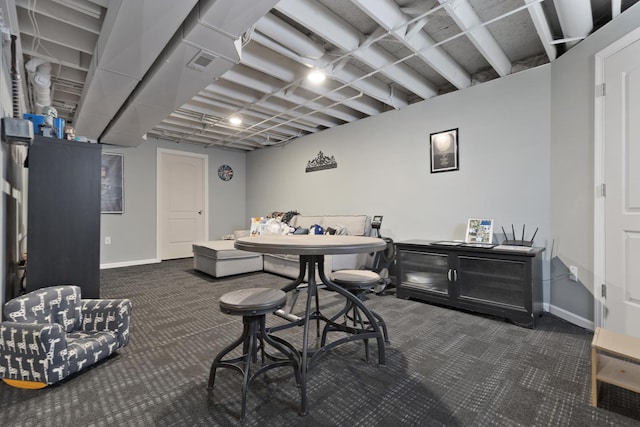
[112,192]
[443,148]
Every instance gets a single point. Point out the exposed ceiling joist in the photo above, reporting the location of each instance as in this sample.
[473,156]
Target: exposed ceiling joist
[181,70]
[387,14]
[467,19]
[335,30]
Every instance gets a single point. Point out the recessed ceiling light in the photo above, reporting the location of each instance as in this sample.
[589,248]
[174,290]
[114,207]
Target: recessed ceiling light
[316,76]
[235,120]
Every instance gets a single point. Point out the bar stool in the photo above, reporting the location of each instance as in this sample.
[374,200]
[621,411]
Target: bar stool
[253,305]
[357,282]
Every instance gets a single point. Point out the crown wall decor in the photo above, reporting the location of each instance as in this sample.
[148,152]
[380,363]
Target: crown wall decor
[321,162]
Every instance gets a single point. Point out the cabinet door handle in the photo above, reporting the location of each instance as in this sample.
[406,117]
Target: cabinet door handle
[455,275]
[449,274]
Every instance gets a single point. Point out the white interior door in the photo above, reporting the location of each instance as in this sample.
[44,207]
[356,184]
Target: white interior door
[622,178]
[181,203]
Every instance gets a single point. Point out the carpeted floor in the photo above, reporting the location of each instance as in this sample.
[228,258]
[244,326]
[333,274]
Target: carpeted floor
[444,368]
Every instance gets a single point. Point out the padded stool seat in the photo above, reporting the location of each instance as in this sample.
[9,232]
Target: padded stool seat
[253,305]
[355,279]
[357,282]
[252,302]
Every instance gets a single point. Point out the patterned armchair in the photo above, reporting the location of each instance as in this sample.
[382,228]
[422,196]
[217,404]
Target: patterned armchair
[51,333]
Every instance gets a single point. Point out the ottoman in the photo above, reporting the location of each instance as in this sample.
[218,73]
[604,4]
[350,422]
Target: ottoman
[219,258]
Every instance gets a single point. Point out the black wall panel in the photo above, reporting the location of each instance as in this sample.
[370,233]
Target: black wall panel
[63,211]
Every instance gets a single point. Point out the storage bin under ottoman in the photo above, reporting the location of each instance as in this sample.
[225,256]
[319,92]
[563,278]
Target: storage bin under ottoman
[219,258]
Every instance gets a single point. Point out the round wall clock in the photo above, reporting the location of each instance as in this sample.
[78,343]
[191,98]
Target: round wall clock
[225,172]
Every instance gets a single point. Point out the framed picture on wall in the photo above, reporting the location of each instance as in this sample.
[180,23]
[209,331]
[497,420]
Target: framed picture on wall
[112,178]
[443,148]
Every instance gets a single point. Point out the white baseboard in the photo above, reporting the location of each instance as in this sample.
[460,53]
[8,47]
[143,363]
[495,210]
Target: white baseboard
[571,317]
[129,263]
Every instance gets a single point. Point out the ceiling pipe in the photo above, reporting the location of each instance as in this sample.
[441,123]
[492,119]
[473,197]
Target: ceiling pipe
[278,30]
[575,19]
[39,74]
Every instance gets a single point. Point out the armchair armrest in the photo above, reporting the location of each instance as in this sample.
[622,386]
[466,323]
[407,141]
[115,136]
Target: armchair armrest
[111,315]
[33,352]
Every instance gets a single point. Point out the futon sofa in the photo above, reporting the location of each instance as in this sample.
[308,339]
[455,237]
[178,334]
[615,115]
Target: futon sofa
[352,225]
[219,258]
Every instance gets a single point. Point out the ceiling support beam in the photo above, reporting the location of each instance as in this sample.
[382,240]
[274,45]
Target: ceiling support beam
[466,18]
[265,60]
[340,33]
[278,34]
[267,84]
[542,27]
[387,14]
[252,100]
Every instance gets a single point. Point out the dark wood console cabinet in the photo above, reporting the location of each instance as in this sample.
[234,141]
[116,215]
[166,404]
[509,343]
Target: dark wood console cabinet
[501,283]
[63,215]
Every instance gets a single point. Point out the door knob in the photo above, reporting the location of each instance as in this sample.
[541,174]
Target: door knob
[200,212]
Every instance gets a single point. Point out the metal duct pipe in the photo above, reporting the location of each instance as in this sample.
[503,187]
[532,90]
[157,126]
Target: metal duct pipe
[39,71]
[279,30]
[575,19]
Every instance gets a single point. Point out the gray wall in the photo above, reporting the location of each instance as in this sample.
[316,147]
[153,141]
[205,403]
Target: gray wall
[572,165]
[133,234]
[383,165]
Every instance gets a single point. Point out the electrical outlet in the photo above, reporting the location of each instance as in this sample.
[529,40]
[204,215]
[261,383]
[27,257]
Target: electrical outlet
[573,273]
[107,240]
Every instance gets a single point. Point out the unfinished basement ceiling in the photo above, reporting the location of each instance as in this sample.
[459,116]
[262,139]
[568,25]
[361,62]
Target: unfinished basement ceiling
[180,70]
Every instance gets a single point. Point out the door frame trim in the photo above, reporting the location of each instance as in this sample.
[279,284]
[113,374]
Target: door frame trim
[205,178]
[599,262]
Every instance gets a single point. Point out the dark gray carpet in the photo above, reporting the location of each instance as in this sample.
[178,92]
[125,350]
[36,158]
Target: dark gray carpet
[444,368]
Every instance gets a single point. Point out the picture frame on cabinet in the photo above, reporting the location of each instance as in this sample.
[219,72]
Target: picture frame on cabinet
[112,183]
[443,148]
[479,231]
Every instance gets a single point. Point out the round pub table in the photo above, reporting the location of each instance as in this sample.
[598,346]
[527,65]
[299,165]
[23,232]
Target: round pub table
[312,250]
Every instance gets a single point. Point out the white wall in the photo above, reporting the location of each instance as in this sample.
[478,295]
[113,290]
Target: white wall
[572,167]
[133,234]
[383,165]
